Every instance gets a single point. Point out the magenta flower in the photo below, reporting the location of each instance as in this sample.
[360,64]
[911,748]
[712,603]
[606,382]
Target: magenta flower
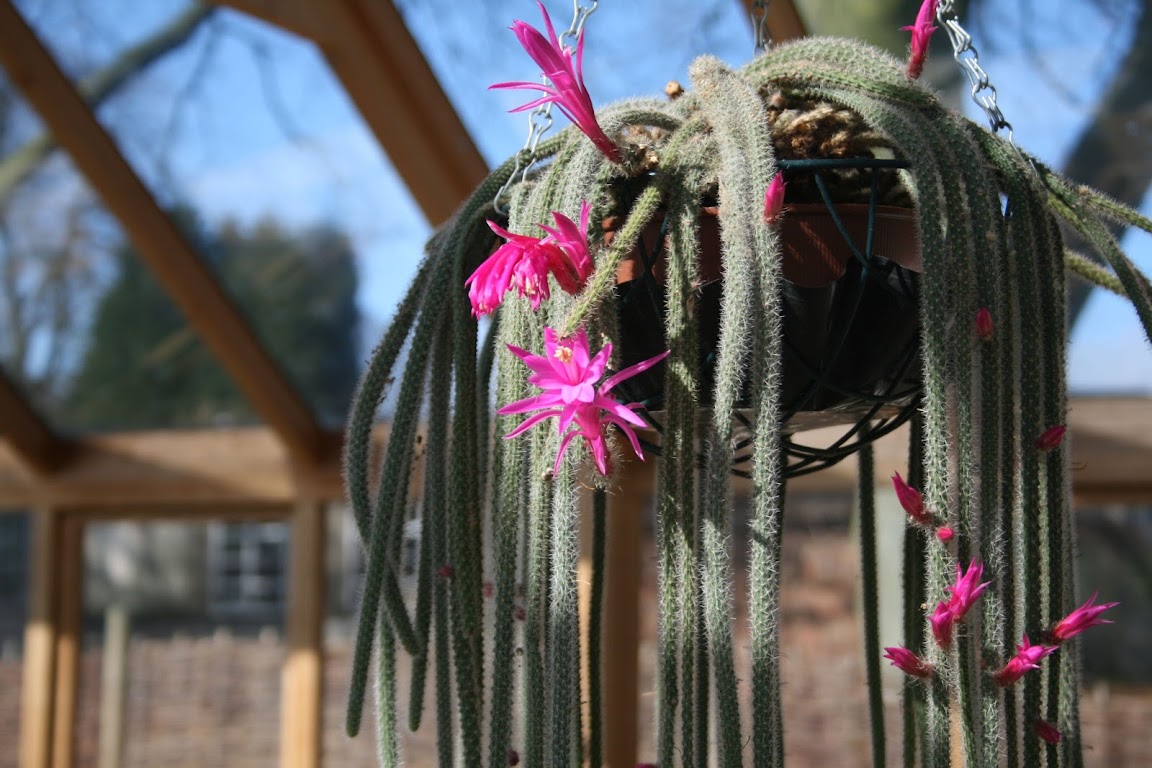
[967,589]
[911,500]
[905,660]
[1052,438]
[1046,731]
[965,592]
[524,263]
[1027,657]
[1080,619]
[921,35]
[572,240]
[774,199]
[942,621]
[984,324]
[566,73]
[945,534]
[568,374]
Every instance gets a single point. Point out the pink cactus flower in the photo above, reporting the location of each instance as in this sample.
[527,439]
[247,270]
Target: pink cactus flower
[905,660]
[524,263]
[1027,657]
[921,35]
[565,71]
[965,592]
[1046,731]
[774,199]
[967,589]
[942,621]
[945,534]
[911,500]
[1085,616]
[984,324]
[1052,438]
[568,374]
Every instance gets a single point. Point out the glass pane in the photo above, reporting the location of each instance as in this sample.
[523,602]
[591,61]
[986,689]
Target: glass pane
[345,571]
[15,543]
[243,129]
[88,334]
[183,644]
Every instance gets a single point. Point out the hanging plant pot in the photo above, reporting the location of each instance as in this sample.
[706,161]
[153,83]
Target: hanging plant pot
[850,299]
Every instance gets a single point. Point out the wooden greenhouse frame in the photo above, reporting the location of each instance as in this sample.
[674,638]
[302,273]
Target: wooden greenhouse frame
[290,469]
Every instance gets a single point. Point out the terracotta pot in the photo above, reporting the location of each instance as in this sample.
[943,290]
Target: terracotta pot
[850,339]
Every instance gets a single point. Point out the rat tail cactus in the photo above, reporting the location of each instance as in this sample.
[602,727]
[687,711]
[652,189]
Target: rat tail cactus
[520,427]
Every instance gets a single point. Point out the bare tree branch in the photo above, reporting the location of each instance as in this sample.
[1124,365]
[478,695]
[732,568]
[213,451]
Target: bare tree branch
[19,165]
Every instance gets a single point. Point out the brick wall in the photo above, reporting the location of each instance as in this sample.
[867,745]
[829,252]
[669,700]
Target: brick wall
[214,700]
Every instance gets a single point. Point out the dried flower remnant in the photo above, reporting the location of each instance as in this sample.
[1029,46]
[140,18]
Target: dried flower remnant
[1046,731]
[984,328]
[1051,438]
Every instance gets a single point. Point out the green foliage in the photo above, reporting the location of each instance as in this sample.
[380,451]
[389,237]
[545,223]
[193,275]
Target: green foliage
[144,367]
[984,402]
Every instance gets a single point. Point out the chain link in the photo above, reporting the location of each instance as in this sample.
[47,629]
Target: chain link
[759,16]
[983,92]
[540,119]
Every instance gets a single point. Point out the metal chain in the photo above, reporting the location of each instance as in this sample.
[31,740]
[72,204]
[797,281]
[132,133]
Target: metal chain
[983,92]
[540,119]
[759,16]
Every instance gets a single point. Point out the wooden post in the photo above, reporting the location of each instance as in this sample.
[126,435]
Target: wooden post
[69,558]
[39,686]
[113,686]
[302,684]
[621,635]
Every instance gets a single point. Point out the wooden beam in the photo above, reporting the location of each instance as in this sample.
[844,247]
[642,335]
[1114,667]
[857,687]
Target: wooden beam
[38,688]
[371,51]
[295,16]
[172,259]
[214,468]
[784,20]
[28,434]
[301,701]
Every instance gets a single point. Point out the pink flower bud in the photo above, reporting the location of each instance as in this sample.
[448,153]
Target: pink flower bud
[911,500]
[1027,657]
[945,534]
[905,660]
[519,613]
[445,572]
[513,757]
[942,621]
[921,35]
[984,324]
[1080,619]
[1052,438]
[1046,731]
[774,199]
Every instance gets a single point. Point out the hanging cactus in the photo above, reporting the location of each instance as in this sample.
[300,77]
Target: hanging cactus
[987,466]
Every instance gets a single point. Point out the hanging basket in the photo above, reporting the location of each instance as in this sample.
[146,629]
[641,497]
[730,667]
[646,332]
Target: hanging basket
[851,316]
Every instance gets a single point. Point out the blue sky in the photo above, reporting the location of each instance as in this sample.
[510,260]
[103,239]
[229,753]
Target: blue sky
[266,130]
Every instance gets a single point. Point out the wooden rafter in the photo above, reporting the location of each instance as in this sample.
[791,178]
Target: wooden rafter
[172,259]
[29,435]
[371,51]
[784,21]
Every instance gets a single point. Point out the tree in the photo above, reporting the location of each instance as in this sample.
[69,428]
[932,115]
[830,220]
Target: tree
[52,232]
[144,367]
